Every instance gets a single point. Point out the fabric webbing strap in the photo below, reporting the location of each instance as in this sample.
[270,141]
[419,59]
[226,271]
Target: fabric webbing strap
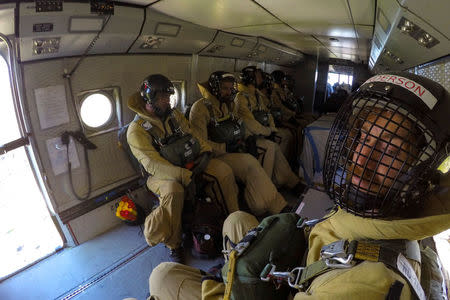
[365,250]
[230,275]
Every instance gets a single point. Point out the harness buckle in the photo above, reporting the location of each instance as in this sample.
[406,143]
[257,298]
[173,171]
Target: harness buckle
[292,278]
[336,255]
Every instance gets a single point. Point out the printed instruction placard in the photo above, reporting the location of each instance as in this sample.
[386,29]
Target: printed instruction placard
[57,153]
[51,106]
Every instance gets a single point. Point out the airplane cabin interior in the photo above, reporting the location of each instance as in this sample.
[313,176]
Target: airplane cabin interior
[69,67]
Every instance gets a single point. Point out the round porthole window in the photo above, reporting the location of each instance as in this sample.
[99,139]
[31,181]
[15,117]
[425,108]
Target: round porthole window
[96,110]
[174,98]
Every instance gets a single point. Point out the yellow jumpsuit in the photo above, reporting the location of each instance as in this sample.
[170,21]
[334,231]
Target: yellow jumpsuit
[365,281]
[287,137]
[272,159]
[167,181]
[277,101]
[260,193]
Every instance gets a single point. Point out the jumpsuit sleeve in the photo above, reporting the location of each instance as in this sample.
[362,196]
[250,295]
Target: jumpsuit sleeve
[285,112]
[142,148]
[212,290]
[199,118]
[186,127]
[242,111]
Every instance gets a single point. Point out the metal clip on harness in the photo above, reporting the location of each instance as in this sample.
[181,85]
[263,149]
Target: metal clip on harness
[336,255]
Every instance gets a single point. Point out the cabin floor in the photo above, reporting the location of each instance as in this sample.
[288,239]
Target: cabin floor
[114,265]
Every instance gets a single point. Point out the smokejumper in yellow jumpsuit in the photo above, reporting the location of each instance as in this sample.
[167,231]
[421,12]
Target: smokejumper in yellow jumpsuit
[155,122]
[288,132]
[378,135]
[209,113]
[247,105]
[290,119]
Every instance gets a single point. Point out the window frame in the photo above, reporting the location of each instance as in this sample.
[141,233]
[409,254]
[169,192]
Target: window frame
[180,86]
[115,121]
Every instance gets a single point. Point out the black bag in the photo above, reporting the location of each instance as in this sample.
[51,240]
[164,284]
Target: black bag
[229,131]
[207,228]
[262,117]
[123,143]
[277,115]
[277,240]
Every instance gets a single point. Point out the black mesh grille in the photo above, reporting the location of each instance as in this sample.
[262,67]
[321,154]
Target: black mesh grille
[379,157]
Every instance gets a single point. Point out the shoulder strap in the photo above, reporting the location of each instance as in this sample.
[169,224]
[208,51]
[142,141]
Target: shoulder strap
[174,124]
[209,106]
[341,254]
[279,95]
[149,129]
[257,99]
[248,100]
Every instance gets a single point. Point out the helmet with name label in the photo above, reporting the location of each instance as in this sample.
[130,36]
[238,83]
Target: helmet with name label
[278,76]
[248,75]
[154,84]
[216,78]
[386,145]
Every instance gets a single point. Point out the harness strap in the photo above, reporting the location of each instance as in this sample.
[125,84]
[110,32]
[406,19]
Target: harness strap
[341,254]
[230,275]
[148,128]
[248,101]
[212,118]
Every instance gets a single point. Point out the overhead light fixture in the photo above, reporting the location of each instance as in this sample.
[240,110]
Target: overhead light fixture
[407,27]
[45,45]
[421,36]
[237,42]
[392,56]
[262,48]
[215,48]
[152,42]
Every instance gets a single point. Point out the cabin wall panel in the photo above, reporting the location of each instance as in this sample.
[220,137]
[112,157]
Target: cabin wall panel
[305,81]
[207,65]
[271,67]
[108,164]
[438,71]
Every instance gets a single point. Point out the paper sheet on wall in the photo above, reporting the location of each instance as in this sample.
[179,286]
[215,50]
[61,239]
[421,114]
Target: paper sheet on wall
[51,106]
[58,155]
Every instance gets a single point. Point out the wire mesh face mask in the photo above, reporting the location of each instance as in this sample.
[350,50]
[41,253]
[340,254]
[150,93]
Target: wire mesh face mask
[380,156]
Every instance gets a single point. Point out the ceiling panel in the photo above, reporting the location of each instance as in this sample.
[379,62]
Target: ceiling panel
[363,11]
[218,14]
[309,11]
[435,14]
[345,31]
[364,32]
[344,50]
[280,33]
[341,42]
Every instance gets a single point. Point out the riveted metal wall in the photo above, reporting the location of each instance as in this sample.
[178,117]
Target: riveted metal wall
[438,71]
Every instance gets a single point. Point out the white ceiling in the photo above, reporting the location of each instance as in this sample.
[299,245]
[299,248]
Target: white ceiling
[305,25]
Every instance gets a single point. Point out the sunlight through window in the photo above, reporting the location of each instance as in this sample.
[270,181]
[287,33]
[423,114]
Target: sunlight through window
[96,110]
[27,230]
